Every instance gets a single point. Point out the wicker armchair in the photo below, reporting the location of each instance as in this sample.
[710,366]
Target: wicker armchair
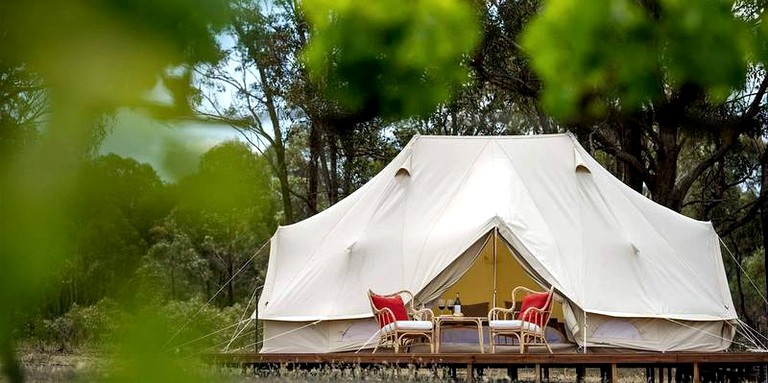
[401,324]
[528,324]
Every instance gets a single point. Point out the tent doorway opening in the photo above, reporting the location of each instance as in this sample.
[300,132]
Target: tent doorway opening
[484,277]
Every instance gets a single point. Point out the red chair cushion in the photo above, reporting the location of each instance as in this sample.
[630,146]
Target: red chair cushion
[538,301]
[395,303]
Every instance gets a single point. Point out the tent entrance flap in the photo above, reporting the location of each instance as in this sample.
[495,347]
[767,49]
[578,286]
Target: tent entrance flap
[490,268]
[453,273]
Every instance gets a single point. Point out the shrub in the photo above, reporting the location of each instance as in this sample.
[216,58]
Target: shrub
[83,326]
[204,327]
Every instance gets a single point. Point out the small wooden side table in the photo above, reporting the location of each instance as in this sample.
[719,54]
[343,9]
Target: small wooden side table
[458,321]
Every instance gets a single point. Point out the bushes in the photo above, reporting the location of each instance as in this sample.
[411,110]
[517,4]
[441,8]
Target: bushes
[215,326]
[200,326]
[82,326]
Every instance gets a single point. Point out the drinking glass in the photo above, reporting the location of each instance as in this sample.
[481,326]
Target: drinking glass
[441,305]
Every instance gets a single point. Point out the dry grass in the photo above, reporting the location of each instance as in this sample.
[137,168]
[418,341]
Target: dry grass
[60,367]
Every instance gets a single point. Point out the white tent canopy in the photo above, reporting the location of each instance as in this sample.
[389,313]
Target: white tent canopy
[613,255]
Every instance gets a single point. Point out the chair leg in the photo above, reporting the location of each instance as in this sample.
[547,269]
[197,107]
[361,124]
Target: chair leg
[521,337]
[431,339]
[547,344]
[432,342]
[490,340]
[382,340]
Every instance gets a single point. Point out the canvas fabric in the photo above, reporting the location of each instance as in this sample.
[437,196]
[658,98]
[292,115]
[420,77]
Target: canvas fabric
[416,225]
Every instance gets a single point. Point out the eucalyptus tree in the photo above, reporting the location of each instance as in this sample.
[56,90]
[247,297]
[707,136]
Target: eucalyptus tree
[250,89]
[227,209]
[264,90]
[648,80]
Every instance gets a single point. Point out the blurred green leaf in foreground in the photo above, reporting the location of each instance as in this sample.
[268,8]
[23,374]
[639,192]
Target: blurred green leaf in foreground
[87,58]
[593,54]
[392,58]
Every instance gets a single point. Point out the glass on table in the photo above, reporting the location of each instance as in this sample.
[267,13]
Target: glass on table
[441,305]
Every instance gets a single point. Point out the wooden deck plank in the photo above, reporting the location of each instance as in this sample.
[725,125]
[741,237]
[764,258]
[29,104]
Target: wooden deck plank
[621,360]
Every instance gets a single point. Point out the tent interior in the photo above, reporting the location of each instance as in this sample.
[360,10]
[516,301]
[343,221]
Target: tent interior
[484,277]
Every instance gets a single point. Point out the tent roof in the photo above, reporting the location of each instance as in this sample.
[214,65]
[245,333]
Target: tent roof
[603,246]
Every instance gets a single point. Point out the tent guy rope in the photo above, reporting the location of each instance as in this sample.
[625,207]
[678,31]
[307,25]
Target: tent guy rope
[216,294]
[279,335]
[744,272]
[242,317]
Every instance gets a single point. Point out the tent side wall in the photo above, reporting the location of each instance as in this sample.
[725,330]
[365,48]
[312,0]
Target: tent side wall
[352,334]
[319,336]
[651,334]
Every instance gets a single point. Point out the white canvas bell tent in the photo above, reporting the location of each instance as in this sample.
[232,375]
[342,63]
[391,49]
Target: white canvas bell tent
[631,273]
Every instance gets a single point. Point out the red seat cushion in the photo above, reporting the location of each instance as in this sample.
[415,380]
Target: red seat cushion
[394,303]
[538,301]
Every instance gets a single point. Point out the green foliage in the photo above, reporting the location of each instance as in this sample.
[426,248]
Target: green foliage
[92,57]
[116,49]
[142,351]
[22,105]
[390,58]
[754,267]
[208,327]
[172,268]
[592,55]
[103,326]
[120,201]
[231,180]
[230,193]
[81,327]
[228,209]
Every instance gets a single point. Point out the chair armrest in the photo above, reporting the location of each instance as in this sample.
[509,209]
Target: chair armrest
[423,314]
[534,314]
[499,313]
[384,315]
[524,290]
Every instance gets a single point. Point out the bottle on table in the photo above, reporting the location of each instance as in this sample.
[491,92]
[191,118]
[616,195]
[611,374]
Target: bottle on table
[457,305]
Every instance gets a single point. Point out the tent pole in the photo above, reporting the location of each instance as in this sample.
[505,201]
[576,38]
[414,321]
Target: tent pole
[495,259]
[585,331]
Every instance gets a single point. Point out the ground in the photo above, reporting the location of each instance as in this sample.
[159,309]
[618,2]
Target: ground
[88,366]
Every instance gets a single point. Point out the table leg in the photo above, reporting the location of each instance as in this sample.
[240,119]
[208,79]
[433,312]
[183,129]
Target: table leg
[480,336]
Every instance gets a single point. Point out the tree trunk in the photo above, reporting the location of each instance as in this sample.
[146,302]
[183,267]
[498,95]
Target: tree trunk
[326,172]
[544,123]
[742,298]
[334,154]
[764,218]
[630,139]
[315,147]
[278,147]
[230,282]
[349,156]
[663,190]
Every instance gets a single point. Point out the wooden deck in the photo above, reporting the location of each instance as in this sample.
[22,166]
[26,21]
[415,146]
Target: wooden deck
[694,364]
